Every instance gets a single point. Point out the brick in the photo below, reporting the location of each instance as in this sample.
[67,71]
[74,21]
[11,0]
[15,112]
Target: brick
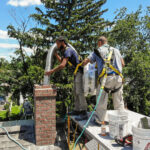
[45,92]
[45,114]
[36,86]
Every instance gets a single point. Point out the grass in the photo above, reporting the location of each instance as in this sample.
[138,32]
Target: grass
[15,112]
[3,114]
[13,115]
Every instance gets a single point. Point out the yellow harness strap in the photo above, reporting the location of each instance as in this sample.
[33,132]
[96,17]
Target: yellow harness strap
[70,64]
[104,80]
[102,74]
[109,56]
[107,64]
[77,67]
[115,70]
[107,61]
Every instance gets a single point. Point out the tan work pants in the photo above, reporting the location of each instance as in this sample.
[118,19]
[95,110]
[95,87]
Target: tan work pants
[112,82]
[80,101]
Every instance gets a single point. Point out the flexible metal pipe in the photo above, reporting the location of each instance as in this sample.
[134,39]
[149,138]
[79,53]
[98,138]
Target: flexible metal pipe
[49,61]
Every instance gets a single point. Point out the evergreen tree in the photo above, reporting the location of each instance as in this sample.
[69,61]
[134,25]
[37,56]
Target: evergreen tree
[79,20]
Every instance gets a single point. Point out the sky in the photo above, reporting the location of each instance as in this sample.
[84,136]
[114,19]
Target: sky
[23,8]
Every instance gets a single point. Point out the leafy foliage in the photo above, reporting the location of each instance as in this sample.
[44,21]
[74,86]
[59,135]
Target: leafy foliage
[15,112]
[79,20]
[131,34]
[3,115]
[13,115]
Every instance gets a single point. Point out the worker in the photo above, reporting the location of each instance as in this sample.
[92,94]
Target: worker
[27,109]
[113,81]
[70,55]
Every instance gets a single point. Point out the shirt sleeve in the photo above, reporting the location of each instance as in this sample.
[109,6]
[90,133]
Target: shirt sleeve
[92,57]
[67,53]
[118,53]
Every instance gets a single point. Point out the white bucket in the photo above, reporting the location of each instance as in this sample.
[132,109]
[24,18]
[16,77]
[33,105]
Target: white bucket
[141,138]
[118,124]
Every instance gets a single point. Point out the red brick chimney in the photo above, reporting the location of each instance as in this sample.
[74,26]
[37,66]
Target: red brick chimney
[45,114]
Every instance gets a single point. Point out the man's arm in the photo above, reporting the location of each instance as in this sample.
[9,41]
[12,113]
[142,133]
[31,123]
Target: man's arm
[90,59]
[61,66]
[121,58]
[123,63]
[58,57]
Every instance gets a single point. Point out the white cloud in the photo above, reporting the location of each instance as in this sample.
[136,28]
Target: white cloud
[5,47]
[14,46]
[9,46]
[24,3]
[4,35]
[3,56]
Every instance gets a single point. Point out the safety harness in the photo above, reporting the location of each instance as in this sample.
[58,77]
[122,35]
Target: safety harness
[78,65]
[107,64]
[107,90]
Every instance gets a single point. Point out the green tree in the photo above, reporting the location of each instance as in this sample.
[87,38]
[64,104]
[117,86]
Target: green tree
[4,76]
[80,21]
[137,91]
[131,35]
[25,71]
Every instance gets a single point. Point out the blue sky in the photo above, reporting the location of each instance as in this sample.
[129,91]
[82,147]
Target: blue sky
[23,8]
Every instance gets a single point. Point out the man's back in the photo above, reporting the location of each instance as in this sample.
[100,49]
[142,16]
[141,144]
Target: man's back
[71,55]
[116,56]
[104,51]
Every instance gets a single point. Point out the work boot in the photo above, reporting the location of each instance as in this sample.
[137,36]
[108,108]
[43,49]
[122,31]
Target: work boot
[82,116]
[73,113]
